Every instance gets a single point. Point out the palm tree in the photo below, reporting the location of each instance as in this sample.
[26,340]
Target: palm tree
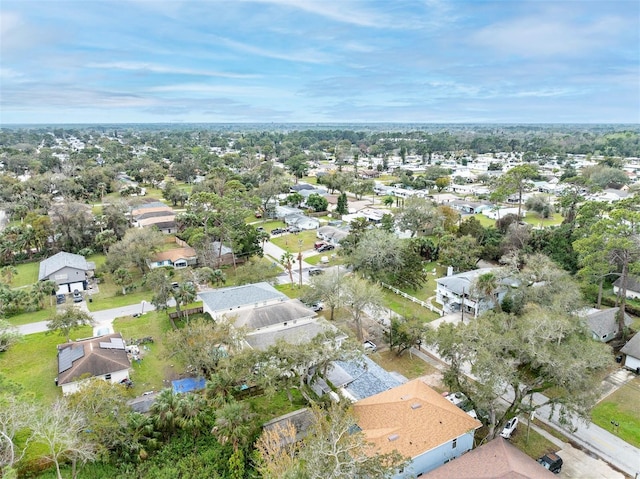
[487,285]
[7,273]
[42,289]
[165,412]
[233,423]
[287,260]
[122,277]
[184,294]
[193,414]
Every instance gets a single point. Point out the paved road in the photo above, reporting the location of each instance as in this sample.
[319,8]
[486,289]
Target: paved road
[591,437]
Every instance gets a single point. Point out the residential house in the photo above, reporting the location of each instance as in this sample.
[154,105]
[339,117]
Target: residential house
[496,459]
[155,214]
[633,287]
[298,187]
[177,258]
[229,300]
[604,324]
[222,255]
[301,420]
[302,221]
[281,212]
[497,213]
[455,290]
[70,271]
[104,357]
[631,350]
[417,422]
[331,234]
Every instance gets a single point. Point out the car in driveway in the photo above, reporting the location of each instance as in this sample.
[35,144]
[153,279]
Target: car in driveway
[278,231]
[60,298]
[326,247]
[369,347]
[551,461]
[509,428]
[293,229]
[77,296]
[315,271]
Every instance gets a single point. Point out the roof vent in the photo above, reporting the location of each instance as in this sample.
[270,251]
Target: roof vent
[394,437]
[416,405]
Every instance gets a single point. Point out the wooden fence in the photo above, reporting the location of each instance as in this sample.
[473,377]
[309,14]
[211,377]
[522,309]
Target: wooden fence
[424,304]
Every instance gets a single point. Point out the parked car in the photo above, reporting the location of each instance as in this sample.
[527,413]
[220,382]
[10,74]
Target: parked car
[326,247]
[60,298]
[293,229]
[318,244]
[278,231]
[315,271]
[77,296]
[551,461]
[369,347]
[317,307]
[509,428]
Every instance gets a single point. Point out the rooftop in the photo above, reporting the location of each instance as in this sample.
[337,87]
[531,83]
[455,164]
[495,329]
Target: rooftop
[226,299]
[62,260]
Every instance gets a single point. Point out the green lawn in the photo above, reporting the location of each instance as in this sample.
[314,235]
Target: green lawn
[294,242]
[27,274]
[268,225]
[292,291]
[408,365]
[622,407]
[406,308]
[104,300]
[535,220]
[484,221]
[429,288]
[156,369]
[533,444]
[32,363]
[334,259]
[33,317]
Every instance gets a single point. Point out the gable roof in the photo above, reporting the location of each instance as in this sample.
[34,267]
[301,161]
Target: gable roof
[411,419]
[462,281]
[632,348]
[297,334]
[496,459]
[363,378]
[62,260]
[93,357]
[175,254]
[225,299]
[272,314]
[633,283]
[605,322]
[160,221]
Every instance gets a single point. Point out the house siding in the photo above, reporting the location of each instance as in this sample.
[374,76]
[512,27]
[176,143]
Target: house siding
[630,294]
[73,387]
[632,363]
[68,275]
[430,460]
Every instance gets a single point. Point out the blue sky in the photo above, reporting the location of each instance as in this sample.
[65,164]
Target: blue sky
[509,61]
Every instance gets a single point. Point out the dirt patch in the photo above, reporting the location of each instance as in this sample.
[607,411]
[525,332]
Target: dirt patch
[434,380]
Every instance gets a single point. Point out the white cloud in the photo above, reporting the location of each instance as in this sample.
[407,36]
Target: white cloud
[166,69]
[307,56]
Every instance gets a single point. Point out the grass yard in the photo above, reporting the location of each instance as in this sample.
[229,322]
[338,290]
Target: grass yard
[406,308]
[484,221]
[334,259]
[429,288]
[34,317]
[32,363]
[535,446]
[27,274]
[535,220]
[292,291]
[408,365]
[295,241]
[622,407]
[268,225]
[156,369]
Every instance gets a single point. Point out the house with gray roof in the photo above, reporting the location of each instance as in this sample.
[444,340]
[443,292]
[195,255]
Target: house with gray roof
[631,350]
[604,324]
[633,287]
[69,271]
[228,300]
[457,291]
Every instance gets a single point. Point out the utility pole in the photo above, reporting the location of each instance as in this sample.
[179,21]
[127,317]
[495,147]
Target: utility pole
[462,308]
[300,260]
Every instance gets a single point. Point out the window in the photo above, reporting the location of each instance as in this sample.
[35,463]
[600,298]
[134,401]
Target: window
[454,444]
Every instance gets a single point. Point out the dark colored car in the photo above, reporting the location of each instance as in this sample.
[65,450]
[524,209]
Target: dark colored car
[277,231]
[551,461]
[326,247]
[60,298]
[315,271]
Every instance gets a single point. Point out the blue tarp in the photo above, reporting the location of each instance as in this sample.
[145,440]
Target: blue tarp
[187,385]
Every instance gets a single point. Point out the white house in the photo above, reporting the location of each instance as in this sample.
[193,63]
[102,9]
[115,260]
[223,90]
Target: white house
[455,290]
[632,352]
[417,422]
[633,287]
[497,213]
[104,357]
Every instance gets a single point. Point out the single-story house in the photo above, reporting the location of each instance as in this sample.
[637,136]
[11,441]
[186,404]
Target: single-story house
[633,287]
[177,258]
[284,211]
[69,271]
[495,459]
[297,188]
[301,221]
[103,357]
[154,214]
[417,422]
[632,353]
[604,325]
[331,234]
[301,420]
[455,290]
[497,213]
[229,300]
[164,224]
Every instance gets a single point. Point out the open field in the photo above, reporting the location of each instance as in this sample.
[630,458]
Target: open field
[32,363]
[622,407]
[534,220]
[295,242]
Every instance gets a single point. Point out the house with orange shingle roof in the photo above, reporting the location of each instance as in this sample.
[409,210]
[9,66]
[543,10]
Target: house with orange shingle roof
[177,258]
[419,423]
